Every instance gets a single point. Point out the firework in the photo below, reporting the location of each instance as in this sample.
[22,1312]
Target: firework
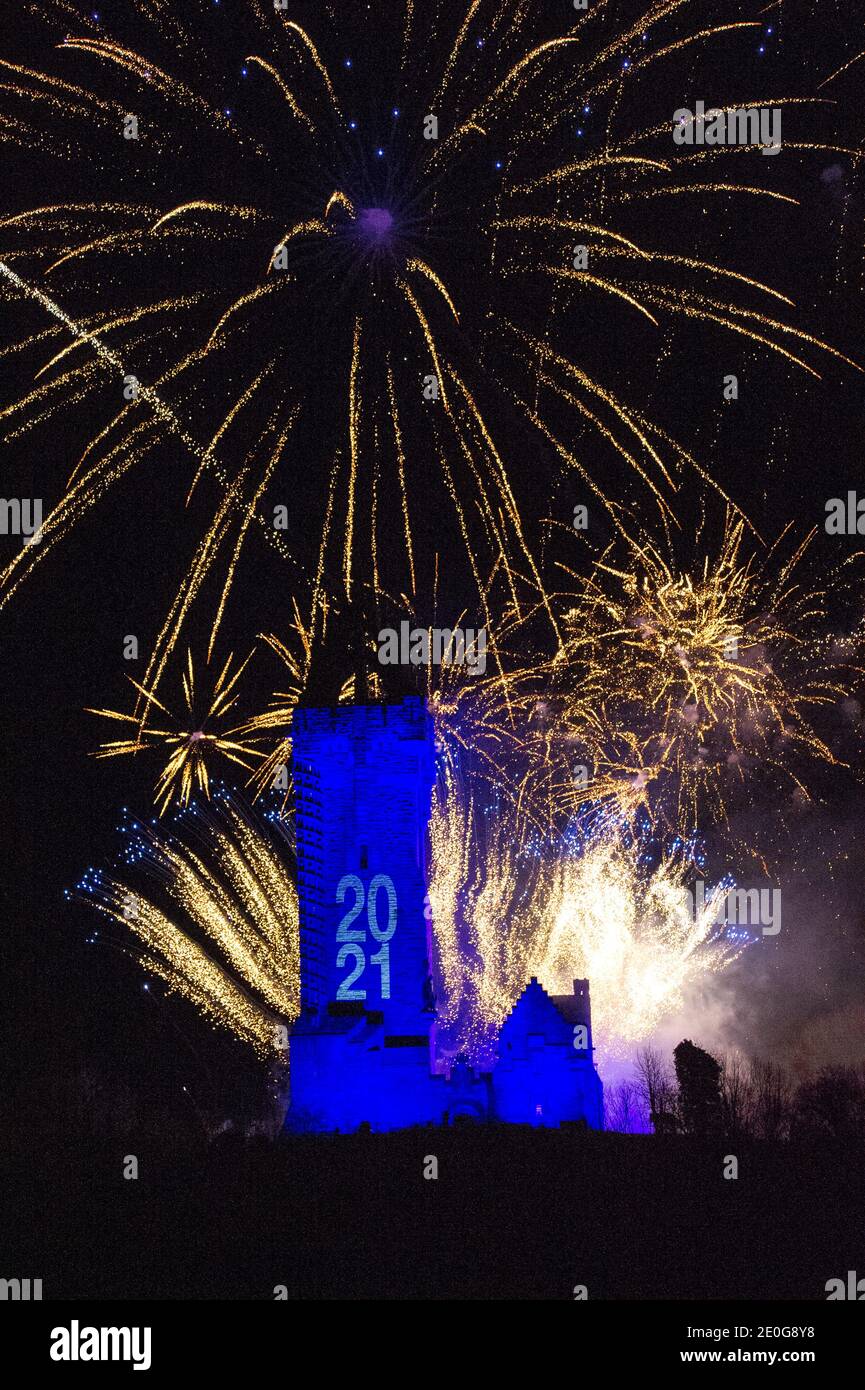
[590,903]
[534,872]
[380,301]
[333,318]
[192,744]
[219,923]
[682,684]
[276,719]
[677,684]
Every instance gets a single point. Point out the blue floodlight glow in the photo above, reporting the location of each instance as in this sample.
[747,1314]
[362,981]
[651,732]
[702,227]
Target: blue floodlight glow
[363,1050]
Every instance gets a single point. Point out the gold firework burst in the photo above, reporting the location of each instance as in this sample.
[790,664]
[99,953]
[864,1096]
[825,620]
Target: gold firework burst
[696,679]
[194,744]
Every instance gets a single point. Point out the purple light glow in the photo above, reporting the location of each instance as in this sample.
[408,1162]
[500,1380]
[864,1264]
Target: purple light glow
[376,222]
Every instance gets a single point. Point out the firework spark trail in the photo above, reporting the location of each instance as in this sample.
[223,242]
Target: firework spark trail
[223,929]
[104,353]
[56,520]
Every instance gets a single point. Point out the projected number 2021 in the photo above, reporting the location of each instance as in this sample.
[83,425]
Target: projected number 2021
[380,901]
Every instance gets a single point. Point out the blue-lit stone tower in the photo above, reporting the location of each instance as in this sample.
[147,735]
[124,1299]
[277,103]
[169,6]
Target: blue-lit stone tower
[364,776]
[362,1050]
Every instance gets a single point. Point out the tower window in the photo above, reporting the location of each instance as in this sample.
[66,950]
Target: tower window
[364,857]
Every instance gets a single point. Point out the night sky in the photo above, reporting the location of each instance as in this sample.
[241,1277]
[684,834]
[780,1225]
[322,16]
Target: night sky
[788,444]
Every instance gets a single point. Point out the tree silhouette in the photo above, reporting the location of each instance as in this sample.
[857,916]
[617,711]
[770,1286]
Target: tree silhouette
[833,1102]
[699,1078]
[657,1090]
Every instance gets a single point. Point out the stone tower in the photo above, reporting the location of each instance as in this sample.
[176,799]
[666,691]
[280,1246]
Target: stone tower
[363,780]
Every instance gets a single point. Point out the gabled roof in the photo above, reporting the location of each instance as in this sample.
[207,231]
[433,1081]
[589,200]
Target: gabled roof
[536,1012]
